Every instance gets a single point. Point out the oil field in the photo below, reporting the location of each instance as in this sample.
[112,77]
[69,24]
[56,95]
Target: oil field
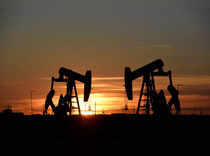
[98,134]
[104,77]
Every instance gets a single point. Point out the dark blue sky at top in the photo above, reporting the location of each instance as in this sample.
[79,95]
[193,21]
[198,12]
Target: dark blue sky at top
[104,35]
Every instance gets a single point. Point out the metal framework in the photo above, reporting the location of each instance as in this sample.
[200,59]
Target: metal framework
[69,77]
[148,83]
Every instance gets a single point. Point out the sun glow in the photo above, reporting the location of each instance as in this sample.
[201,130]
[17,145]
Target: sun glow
[87,113]
[108,98]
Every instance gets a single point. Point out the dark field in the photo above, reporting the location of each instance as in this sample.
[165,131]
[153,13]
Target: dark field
[110,134]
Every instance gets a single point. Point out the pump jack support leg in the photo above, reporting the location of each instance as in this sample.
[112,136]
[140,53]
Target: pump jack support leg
[141,93]
[75,90]
[148,97]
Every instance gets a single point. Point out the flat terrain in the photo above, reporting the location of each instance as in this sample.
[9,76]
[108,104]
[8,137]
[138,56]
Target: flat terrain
[103,134]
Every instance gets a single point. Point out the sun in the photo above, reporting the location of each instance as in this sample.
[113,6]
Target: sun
[87,113]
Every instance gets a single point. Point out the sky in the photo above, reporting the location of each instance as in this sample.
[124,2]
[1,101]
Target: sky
[38,37]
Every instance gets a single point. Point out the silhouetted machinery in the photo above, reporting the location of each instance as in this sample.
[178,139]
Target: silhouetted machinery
[148,72]
[69,77]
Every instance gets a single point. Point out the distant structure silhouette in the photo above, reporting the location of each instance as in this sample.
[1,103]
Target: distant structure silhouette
[174,99]
[154,100]
[65,103]
[62,107]
[49,102]
[163,107]
[159,105]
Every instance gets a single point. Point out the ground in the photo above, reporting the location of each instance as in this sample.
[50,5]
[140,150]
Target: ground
[104,134]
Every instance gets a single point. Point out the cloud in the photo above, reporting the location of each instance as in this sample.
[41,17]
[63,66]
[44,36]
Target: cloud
[154,44]
[94,78]
[202,90]
[107,78]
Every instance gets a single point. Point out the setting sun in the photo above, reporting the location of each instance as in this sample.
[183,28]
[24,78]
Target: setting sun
[86,113]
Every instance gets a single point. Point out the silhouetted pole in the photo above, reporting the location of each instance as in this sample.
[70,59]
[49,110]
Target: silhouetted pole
[125,102]
[31,102]
[95,102]
[95,108]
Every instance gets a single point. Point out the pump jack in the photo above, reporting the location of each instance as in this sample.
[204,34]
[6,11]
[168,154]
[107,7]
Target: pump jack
[148,72]
[69,77]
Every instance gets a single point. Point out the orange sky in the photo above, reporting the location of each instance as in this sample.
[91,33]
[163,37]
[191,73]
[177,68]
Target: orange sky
[107,92]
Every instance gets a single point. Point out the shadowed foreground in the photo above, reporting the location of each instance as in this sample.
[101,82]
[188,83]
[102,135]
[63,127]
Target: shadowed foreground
[99,135]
